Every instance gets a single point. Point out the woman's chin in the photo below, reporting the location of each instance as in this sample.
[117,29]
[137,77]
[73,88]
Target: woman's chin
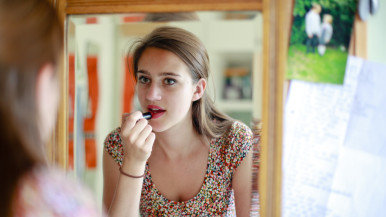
[157,127]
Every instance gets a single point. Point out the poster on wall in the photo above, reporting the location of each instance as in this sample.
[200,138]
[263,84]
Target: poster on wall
[320,38]
[86,143]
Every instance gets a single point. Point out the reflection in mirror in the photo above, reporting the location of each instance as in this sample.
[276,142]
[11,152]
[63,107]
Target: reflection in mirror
[101,88]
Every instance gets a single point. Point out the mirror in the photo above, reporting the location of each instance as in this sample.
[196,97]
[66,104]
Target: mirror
[101,89]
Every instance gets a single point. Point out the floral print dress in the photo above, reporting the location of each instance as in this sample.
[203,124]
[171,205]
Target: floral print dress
[216,197]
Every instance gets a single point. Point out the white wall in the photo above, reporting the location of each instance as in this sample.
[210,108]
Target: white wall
[376,35]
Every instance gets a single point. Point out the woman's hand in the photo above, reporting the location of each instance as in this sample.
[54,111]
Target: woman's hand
[137,138]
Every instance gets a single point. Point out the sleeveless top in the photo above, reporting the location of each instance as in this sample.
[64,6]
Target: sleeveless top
[216,197]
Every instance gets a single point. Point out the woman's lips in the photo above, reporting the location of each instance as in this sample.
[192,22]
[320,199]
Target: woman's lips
[156,111]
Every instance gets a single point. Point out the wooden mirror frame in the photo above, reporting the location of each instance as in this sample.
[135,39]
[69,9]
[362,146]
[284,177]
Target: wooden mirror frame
[276,22]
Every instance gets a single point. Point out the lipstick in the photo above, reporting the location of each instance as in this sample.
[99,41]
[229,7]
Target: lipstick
[146,115]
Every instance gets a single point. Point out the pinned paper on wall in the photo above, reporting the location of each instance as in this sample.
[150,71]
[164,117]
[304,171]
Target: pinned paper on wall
[334,145]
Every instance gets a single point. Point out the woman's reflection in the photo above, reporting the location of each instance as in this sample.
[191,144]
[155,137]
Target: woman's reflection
[190,158]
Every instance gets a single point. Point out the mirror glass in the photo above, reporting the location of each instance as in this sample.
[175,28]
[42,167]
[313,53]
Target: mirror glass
[101,88]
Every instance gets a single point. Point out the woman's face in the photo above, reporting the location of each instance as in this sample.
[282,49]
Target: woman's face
[165,88]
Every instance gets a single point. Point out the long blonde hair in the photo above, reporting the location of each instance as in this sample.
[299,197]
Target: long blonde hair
[30,36]
[207,119]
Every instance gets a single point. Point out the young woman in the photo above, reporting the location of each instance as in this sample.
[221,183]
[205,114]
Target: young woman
[30,47]
[189,159]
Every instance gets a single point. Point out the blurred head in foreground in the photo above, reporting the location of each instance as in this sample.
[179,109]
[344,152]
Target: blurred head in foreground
[30,47]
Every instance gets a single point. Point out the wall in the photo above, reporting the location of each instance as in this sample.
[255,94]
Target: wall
[376,35]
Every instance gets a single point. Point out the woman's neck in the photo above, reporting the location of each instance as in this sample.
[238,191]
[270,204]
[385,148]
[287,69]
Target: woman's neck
[179,142]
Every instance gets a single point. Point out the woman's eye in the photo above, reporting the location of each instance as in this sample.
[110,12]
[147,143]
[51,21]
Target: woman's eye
[143,79]
[169,81]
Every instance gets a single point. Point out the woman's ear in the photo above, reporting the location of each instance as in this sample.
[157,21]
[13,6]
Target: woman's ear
[44,82]
[200,89]
[47,97]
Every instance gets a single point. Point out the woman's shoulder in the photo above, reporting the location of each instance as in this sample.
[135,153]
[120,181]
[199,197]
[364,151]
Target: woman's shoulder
[235,144]
[50,192]
[239,130]
[113,145]
[113,138]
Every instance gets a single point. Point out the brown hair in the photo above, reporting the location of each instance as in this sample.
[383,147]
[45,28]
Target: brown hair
[168,17]
[30,36]
[207,119]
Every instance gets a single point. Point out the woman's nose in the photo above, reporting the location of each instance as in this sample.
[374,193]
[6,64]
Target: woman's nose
[154,92]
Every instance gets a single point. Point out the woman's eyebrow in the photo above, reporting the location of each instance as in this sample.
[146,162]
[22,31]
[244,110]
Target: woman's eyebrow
[170,74]
[161,74]
[143,72]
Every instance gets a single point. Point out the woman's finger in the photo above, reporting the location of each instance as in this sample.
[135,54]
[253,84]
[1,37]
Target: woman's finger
[130,119]
[133,133]
[148,146]
[142,136]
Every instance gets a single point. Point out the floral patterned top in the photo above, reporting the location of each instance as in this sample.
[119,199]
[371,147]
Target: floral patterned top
[216,197]
[49,192]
